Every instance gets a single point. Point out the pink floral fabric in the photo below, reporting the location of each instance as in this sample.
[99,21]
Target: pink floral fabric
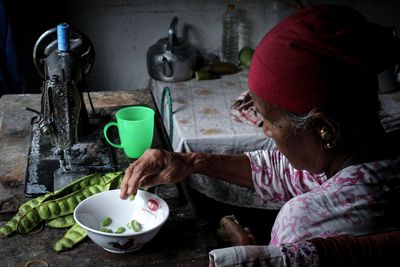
[358,200]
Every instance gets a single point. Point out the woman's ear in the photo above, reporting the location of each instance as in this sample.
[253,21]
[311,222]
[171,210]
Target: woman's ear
[327,129]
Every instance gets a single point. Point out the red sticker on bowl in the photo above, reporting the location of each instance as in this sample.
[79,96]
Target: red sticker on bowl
[153,204]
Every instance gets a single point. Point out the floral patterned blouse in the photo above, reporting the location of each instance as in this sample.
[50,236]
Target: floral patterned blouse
[358,200]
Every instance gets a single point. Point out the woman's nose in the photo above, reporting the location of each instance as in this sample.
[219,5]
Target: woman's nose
[267,129]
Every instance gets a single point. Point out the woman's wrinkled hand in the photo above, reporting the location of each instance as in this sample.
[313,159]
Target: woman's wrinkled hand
[233,234]
[153,168]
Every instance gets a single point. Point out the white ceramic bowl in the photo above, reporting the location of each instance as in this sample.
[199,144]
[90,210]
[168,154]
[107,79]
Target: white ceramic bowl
[148,209]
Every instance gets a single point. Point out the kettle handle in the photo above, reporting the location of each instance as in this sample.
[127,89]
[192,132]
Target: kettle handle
[172,32]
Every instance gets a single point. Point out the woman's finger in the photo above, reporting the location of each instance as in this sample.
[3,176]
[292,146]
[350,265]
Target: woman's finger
[124,185]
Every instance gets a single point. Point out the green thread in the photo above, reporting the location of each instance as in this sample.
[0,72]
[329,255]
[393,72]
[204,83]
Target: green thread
[166,90]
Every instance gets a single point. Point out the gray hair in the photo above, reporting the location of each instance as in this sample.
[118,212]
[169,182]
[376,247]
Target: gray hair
[299,122]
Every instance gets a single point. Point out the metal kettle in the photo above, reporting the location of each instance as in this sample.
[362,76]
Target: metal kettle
[171,59]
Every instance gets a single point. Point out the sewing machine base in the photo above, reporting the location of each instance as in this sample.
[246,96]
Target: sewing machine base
[91,154]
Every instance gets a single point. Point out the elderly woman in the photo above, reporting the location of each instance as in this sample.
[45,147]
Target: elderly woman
[313,78]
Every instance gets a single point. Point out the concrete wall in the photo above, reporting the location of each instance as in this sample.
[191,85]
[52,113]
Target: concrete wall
[123,30]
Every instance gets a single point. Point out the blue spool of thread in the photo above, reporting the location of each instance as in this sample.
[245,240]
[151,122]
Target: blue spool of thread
[63,37]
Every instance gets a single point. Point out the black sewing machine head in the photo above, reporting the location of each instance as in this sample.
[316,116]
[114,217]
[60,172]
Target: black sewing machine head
[67,141]
[63,57]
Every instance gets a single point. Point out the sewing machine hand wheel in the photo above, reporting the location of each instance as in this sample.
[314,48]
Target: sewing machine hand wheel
[79,44]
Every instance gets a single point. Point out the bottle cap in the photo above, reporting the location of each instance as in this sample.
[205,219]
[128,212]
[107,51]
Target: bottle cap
[231,7]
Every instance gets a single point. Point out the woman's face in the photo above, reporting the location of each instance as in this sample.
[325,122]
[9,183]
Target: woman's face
[303,149]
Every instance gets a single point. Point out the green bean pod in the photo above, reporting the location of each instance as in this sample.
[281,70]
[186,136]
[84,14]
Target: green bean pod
[86,181]
[111,176]
[62,222]
[66,205]
[117,181]
[28,221]
[29,217]
[10,226]
[94,179]
[78,184]
[72,237]
[34,202]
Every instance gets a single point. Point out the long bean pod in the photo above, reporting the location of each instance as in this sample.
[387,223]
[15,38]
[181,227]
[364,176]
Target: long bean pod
[86,181]
[60,202]
[66,205]
[72,237]
[109,177]
[78,184]
[10,226]
[62,222]
[34,202]
[28,221]
[72,187]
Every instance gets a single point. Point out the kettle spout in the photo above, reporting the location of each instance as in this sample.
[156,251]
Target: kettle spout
[167,68]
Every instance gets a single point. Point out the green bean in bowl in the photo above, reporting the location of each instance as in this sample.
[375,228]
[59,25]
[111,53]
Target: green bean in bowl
[121,226]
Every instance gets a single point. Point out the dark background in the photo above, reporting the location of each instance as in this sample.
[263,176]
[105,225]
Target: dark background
[27,21]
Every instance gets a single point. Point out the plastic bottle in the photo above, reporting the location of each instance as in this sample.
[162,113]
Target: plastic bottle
[230,35]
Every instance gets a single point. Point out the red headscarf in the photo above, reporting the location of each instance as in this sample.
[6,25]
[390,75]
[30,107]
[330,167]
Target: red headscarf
[323,57]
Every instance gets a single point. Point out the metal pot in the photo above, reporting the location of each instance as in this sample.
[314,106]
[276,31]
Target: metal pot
[171,59]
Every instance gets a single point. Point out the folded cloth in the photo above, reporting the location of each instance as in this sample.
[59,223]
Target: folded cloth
[381,249]
[390,111]
[298,254]
[261,256]
[243,110]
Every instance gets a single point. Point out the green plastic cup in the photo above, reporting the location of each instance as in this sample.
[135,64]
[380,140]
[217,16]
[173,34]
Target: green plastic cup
[135,129]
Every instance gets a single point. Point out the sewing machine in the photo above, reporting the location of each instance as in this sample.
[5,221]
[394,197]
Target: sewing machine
[64,56]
